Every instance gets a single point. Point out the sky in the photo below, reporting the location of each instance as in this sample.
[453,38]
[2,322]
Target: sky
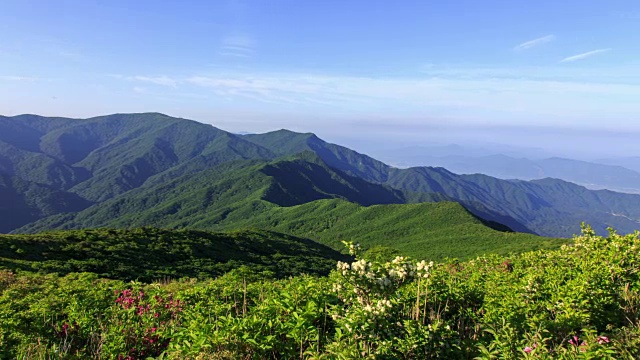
[374,74]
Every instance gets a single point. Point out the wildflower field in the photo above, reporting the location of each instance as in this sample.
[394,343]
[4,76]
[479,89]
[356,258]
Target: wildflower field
[578,302]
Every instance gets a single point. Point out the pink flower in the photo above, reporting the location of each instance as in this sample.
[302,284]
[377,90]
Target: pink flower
[528,350]
[603,340]
[575,341]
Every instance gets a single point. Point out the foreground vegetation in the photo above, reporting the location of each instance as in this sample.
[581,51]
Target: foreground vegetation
[581,301]
[423,231]
[149,254]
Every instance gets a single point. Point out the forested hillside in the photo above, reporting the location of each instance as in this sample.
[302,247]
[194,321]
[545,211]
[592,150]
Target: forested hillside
[149,254]
[134,169]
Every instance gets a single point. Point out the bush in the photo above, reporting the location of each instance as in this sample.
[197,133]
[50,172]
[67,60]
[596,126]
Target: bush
[579,302]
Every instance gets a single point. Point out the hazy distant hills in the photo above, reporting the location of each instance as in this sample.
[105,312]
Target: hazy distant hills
[416,155]
[629,162]
[590,174]
[128,170]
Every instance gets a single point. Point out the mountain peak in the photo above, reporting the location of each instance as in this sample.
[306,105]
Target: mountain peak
[287,132]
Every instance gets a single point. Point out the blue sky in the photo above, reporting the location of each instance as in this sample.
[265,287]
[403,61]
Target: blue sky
[518,72]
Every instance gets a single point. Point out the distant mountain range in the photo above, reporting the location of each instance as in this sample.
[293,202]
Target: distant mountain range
[127,170]
[629,162]
[605,174]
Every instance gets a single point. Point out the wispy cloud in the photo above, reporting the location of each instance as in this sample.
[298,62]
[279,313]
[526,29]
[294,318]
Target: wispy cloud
[18,78]
[235,54]
[501,94]
[262,88]
[535,42]
[157,80]
[72,55]
[238,45]
[582,56]
[139,90]
[508,94]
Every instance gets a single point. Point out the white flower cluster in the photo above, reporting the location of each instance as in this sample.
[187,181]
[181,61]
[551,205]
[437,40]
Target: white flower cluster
[354,249]
[400,269]
[383,282]
[385,276]
[380,307]
[361,267]
[423,269]
[343,267]
[530,289]
[366,290]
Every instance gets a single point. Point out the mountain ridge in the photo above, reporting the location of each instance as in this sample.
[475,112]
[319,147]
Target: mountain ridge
[138,150]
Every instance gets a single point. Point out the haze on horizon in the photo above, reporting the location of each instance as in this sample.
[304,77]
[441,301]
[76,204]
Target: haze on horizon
[563,76]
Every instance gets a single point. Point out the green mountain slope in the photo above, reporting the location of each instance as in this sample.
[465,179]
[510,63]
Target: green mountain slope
[306,177]
[228,192]
[149,254]
[302,196]
[101,159]
[423,231]
[22,202]
[39,168]
[204,197]
[133,153]
[548,207]
[25,131]
[285,142]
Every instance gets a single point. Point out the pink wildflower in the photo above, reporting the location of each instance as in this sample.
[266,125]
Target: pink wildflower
[574,341]
[603,340]
[528,350]
[583,346]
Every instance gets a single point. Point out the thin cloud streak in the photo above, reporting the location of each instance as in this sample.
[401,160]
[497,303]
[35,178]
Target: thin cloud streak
[508,96]
[157,80]
[584,55]
[535,42]
[18,78]
[239,45]
[234,54]
[502,94]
